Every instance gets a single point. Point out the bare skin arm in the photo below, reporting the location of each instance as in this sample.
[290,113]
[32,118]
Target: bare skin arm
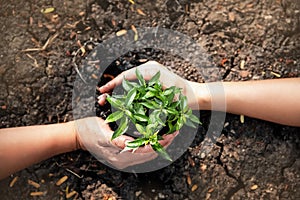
[23,146]
[276,100]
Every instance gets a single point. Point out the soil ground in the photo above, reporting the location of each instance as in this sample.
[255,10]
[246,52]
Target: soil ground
[251,160]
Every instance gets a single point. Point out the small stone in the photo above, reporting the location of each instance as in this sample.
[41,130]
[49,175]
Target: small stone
[161,196]
[202,155]
[138,193]
[242,64]
[268,17]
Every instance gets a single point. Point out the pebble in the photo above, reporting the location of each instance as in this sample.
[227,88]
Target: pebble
[202,155]
[138,193]
[161,196]
[242,64]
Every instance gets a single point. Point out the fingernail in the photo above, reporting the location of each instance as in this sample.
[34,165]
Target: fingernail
[101,99]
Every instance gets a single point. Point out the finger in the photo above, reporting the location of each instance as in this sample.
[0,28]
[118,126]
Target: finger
[145,149]
[102,99]
[121,141]
[168,139]
[127,159]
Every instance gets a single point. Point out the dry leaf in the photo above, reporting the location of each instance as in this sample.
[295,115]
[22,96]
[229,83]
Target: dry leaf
[36,193]
[121,32]
[188,179]
[12,183]
[276,74]
[33,183]
[254,187]
[62,180]
[48,10]
[133,29]
[242,118]
[210,190]
[69,195]
[131,1]
[94,76]
[195,187]
[140,12]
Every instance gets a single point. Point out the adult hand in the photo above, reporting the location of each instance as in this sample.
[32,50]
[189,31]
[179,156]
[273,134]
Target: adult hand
[167,78]
[94,135]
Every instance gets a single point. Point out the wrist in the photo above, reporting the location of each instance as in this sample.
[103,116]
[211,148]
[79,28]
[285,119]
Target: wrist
[203,96]
[74,136]
[65,137]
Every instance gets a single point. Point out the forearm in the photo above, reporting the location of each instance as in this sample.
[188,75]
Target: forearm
[24,146]
[275,100]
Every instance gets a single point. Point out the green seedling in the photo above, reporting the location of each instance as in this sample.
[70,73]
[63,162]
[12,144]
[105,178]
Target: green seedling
[150,108]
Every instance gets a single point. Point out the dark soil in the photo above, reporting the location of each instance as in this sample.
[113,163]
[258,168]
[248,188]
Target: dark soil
[251,160]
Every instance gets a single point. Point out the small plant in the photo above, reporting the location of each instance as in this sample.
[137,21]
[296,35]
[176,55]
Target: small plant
[150,108]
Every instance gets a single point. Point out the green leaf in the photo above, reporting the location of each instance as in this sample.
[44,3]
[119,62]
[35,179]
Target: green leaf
[151,128]
[140,128]
[138,108]
[121,129]
[157,117]
[150,104]
[128,113]
[175,104]
[137,143]
[142,118]
[126,85]
[169,91]
[172,111]
[154,79]
[179,123]
[152,89]
[190,123]
[130,97]
[119,97]
[172,128]
[114,102]
[158,86]
[114,116]
[161,151]
[140,77]
[183,103]
[195,119]
[149,94]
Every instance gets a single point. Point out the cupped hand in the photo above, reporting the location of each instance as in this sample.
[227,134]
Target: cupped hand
[167,78]
[94,135]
